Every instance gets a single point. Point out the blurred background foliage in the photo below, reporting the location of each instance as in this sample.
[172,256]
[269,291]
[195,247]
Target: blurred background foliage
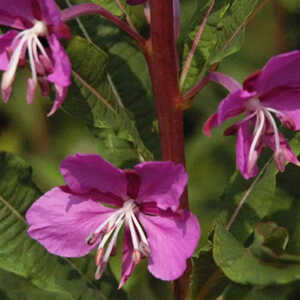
[44,142]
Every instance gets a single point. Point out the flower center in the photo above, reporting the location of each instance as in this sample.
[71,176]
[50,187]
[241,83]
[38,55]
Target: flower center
[263,118]
[38,58]
[109,231]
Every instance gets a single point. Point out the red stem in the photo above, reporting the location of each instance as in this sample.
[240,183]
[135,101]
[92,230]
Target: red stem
[76,11]
[162,60]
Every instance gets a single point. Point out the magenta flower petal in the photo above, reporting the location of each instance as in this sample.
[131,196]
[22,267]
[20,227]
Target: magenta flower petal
[270,93]
[14,10]
[233,105]
[244,140]
[128,264]
[211,123]
[172,241]
[280,71]
[162,183]
[286,101]
[61,74]
[84,173]
[61,94]
[228,82]
[37,20]
[70,221]
[61,221]
[50,12]
[5,41]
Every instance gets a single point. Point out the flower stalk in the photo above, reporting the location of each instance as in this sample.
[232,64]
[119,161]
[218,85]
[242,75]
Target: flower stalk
[162,59]
[90,8]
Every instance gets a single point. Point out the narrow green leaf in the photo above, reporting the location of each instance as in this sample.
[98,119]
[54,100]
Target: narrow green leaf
[224,26]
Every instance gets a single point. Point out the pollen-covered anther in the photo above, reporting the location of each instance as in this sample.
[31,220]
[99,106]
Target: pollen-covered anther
[136,256]
[100,270]
[144,248]
[91,239]
[280,159]
[99,256]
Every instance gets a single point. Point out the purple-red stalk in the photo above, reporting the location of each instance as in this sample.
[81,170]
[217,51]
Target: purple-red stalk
[89,8]
[161,55]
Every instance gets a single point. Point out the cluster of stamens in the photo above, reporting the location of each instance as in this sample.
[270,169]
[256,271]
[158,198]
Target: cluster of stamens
[108,233]
[265,121]
[39,60]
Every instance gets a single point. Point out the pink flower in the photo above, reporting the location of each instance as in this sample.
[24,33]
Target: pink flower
[271,92]
[72,220]
[38,27]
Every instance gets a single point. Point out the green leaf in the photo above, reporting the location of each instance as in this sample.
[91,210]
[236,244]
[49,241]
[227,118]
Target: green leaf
[258,198]
[111,123]
[240,292]
[19,254]
[225,22]
[269,239]
[241,265]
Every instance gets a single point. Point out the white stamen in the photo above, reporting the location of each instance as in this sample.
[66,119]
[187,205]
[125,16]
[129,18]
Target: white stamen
[31,60]
[112,243]
[133,233]
[276,133]
[29,38]
[112,226]
[261,123]
[8,76]
[140,230]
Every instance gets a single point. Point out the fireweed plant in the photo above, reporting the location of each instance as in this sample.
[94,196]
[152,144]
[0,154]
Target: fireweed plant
[139,210]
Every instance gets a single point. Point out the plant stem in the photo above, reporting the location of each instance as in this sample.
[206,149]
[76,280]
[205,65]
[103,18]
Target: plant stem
[76,11]
[162,59]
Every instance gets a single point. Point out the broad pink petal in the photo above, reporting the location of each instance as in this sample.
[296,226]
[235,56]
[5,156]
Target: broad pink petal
[172,241]
[228,82]
[87,172]
[280,71]
[5,42]
[162,183]
[128,264]
[62,221]
[244,139]
[11,12]
[50,12]
[286,101]
[61,74]
[233,105]
[61,94]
